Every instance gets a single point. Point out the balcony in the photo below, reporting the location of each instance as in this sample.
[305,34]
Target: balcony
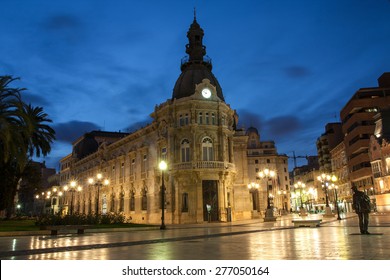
[203,165]
[358,145]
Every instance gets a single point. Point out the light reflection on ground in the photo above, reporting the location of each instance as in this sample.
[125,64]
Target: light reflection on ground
[334,240]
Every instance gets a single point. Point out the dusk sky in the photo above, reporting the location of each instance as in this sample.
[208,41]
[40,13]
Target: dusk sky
[287,67]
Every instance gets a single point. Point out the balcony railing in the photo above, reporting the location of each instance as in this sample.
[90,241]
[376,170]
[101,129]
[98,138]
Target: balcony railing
[220,165]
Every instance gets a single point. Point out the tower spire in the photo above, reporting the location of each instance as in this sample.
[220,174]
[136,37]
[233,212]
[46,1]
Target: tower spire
[195,48]
[194,13]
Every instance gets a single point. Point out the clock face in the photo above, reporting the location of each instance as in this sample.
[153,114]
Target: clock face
[206,93]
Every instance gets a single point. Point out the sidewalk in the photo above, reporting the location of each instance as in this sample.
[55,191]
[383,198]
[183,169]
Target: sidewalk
[252,239]
[282,221]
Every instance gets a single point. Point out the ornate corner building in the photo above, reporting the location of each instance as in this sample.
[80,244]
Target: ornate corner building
[210,161]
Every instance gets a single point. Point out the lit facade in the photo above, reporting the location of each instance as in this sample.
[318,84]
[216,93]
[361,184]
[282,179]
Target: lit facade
[358,125]
[340,170]
[210,162]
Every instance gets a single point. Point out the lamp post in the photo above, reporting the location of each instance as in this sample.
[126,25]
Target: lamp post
[301,186]
[336,203]
[268,174]
[60,194]
[73,188]
[311,193]
[99,183]
[162,166]
[283,193]
[326,180]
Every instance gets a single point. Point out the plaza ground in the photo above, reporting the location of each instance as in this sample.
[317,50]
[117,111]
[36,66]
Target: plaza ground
[244,240]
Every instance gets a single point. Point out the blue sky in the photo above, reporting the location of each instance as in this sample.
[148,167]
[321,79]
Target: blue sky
[287,67]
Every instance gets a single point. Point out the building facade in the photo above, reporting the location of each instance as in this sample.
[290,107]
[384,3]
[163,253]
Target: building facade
[379,153]
[210,161]
[326,142]
[340,169]
[358,126]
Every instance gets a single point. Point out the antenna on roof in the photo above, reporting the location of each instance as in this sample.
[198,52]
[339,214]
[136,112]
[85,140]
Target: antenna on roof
[195,13]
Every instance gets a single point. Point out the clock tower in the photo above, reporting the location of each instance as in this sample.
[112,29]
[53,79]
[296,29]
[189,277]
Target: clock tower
[196,66]
[199,142]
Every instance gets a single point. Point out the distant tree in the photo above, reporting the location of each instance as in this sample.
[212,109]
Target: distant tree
[23,133]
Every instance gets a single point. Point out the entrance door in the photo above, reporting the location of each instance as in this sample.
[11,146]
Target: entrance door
[210,200]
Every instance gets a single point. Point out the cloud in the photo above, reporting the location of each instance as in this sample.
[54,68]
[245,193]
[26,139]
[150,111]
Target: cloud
[61,22]
[138,125]
[296,71]
[70,131]
[35,100]
[284,125]
[247,119]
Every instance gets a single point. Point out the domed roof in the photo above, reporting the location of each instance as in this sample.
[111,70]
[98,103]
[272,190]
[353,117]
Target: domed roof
[195,67]
[191,76]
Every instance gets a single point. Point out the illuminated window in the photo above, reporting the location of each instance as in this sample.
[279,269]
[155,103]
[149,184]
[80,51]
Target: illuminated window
[185,150]
[207,149]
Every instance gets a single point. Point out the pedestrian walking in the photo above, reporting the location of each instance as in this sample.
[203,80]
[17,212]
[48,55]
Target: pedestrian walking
[362,206]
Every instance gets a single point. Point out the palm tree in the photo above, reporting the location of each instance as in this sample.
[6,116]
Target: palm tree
[23,134]
[10,120]
[38,134]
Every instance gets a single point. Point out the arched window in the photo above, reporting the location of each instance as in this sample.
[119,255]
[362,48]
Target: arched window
[200,118]
[112,204]
[207,149]
[144,200]
[213,122]
[132,200]
[122,201]
[185,150]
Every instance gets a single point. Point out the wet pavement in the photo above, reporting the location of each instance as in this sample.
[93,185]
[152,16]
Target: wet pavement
[245,240]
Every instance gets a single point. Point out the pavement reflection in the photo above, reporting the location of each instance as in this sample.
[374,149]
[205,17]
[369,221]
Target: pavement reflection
[333,240]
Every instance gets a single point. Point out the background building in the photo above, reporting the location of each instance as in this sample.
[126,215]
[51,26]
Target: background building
[358,125]
[326,142]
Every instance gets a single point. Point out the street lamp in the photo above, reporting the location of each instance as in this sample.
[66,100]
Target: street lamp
[301,186]
[162,166]
[326,180]
[283,193]
[311,193]
[336,203]
[44,196]
[268,175]
[73,188]
[99,183]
